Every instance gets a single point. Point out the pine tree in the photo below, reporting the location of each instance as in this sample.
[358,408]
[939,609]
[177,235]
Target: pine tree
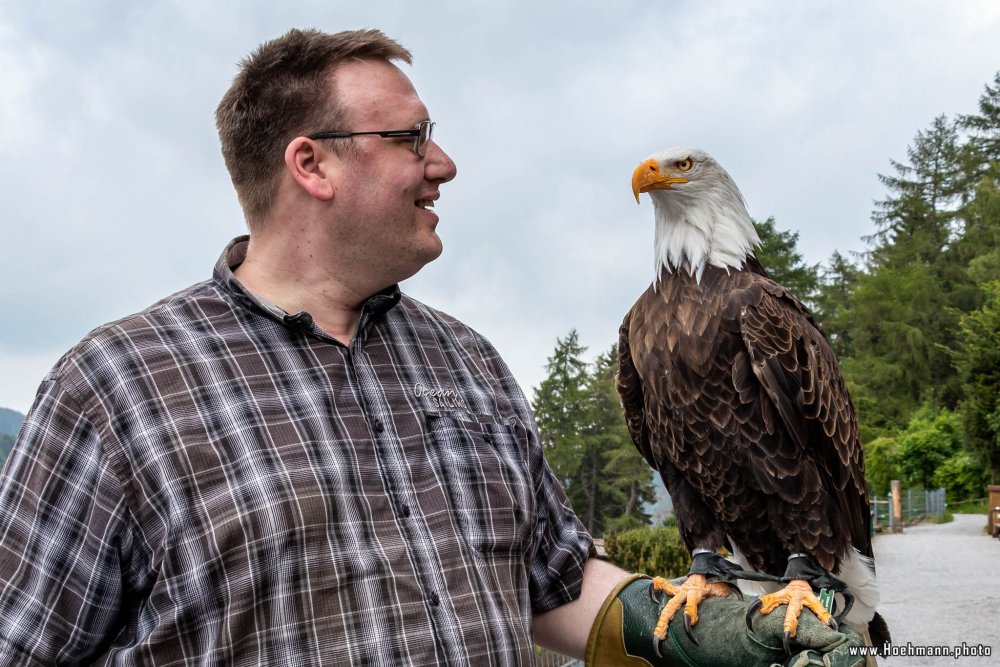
[586,442]
[979,363]
[919,217]
[559,406]
[905,309]
[893,318]
[985,127]
[978,345]
[978,251]
[980,245]
[625,482]
[778,253]
[837,283]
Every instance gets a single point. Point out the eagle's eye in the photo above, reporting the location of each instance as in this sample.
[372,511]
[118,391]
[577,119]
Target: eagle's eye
[684,165]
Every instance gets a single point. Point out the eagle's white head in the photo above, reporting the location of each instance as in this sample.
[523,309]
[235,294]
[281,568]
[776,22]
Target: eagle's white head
[701,217]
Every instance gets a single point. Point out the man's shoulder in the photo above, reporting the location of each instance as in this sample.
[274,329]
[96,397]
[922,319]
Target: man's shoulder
[442,322]
[465,348]
[131,337]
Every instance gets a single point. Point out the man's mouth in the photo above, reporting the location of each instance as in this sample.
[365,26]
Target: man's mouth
[425,203]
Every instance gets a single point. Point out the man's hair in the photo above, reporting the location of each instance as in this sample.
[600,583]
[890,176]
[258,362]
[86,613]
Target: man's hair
[282,91]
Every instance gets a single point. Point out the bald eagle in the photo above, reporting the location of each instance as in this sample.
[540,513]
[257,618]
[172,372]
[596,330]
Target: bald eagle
[732,393]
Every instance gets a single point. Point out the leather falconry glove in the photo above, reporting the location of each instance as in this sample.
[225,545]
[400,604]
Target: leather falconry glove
[622,635]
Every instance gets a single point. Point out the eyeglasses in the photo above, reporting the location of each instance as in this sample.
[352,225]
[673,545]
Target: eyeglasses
[421,135]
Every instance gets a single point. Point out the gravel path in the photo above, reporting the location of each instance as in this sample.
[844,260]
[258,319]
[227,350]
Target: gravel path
[961,559]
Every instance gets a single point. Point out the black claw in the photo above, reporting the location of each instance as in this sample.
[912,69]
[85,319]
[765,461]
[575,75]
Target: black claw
[754,606]
[653,590]
[735,590]
[687,629]
[833,624]
[848,604]
[656,647]
[786,642]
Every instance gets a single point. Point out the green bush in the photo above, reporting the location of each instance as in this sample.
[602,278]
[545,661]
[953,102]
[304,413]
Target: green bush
[881,455]
[622,523]
[931,438]
[963,477]
[974,506]
[656,551]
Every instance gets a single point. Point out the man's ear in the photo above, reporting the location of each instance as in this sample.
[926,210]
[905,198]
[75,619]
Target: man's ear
[311,166]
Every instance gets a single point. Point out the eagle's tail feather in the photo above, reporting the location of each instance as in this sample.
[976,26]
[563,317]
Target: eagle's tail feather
[878,631]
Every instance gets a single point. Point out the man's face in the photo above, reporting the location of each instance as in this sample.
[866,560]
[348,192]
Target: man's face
[386,190]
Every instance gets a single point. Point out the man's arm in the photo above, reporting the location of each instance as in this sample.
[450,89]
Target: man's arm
[565,629]
[65,538]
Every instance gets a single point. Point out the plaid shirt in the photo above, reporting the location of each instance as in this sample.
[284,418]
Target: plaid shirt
[214,481]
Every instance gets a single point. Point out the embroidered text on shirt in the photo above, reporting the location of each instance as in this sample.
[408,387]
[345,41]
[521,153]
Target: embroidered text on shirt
[442,398]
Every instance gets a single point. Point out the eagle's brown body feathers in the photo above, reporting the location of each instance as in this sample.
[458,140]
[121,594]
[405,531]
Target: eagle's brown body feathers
[732,392]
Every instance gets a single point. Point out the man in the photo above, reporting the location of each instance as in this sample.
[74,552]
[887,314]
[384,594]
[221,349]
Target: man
[292,463]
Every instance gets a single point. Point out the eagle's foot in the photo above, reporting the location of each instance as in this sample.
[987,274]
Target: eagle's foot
[688,595]
[798,594]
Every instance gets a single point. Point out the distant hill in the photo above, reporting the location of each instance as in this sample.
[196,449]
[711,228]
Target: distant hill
[6,444]
[10,421]
[662,508]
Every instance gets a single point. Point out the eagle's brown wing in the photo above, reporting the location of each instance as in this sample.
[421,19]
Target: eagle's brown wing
[797,371]
[629,386]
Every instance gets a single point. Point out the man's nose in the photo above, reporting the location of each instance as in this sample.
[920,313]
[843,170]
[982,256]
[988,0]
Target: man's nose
[439,166]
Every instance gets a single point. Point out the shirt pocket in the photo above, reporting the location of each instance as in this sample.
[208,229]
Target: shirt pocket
[483,465]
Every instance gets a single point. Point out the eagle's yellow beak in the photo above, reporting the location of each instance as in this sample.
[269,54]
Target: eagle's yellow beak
[647,177]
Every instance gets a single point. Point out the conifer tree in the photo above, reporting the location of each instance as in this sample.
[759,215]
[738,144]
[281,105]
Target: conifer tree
[559,405]
[917,220]
[837,283]
[628,481]
[981,242]
[985,126]
[893,320]
[979,363]
[780,257]
[904,313]
[978,252]
[582,429]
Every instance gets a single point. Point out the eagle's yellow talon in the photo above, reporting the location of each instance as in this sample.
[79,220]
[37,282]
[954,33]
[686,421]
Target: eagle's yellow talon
[797,594]
[661,584]
[688,595]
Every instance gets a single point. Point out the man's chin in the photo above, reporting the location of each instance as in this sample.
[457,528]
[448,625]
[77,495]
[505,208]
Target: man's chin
[438,250]
[428,255]
[432,248]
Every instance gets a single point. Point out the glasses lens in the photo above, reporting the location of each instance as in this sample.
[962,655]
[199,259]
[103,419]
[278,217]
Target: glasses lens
[426,130]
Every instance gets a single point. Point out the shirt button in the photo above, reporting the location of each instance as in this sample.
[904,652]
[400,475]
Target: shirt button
[435,600]
[299,319]
[404,511]
[378,426]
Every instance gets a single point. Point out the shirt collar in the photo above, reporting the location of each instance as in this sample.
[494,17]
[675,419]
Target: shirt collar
[377,304]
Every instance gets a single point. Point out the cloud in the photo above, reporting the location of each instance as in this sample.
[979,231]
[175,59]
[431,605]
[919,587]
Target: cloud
[114,193]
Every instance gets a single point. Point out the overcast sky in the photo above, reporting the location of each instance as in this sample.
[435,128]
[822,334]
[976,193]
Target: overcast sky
[113,192]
